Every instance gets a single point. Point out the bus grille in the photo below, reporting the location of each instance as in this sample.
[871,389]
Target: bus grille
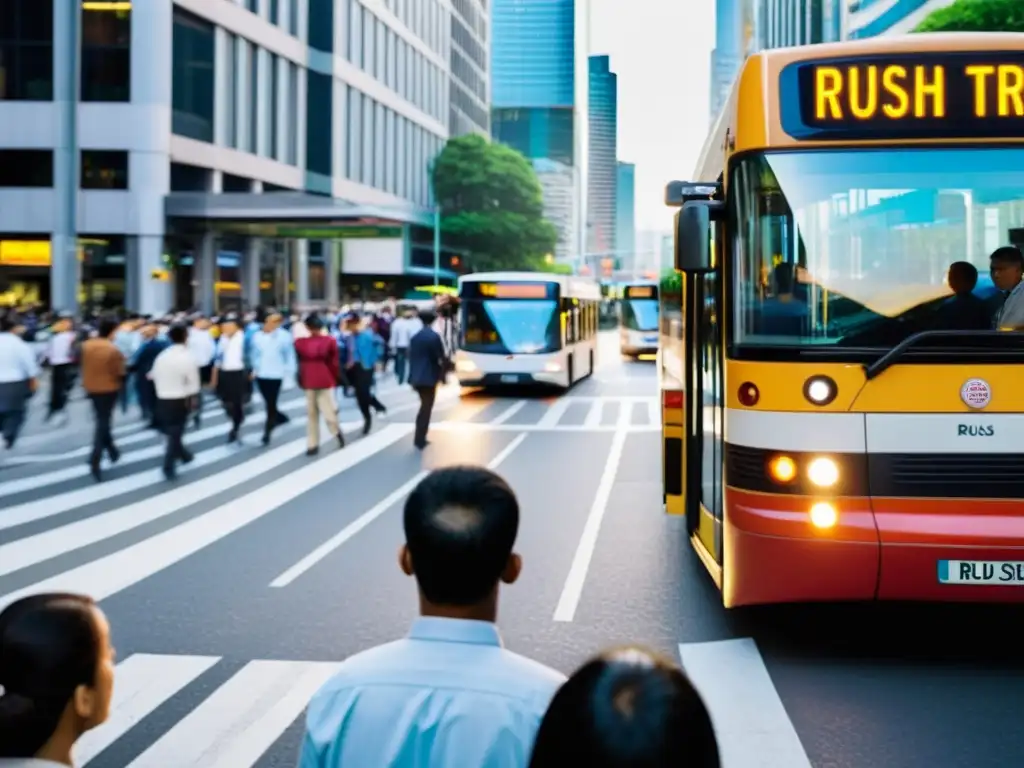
[959,475]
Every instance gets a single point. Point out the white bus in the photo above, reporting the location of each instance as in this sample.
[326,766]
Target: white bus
[638,319]
[526,328]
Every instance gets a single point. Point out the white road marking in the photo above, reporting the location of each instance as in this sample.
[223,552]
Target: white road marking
[574,582]
[750,721]
[368,517]
[459,426]
[594,414]
[654,412]
[242,719]
[109,575]
[144,682]
[625,415]
[54,542]
[508,413]
[555,413]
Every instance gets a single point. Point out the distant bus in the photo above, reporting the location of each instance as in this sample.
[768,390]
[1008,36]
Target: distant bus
[638,319]
[520,328]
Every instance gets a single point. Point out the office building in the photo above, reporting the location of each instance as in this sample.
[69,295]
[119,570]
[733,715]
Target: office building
[469,66]
[870,18]
[625,215]
[539,102]
[604,114]
[726,55]
[265,151]
[783,23]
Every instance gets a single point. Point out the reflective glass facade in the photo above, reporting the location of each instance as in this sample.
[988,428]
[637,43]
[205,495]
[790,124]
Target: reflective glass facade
[532,57]
[870,18]
[604,110]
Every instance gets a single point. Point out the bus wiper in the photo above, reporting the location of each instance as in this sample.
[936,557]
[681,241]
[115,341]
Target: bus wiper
[882,364]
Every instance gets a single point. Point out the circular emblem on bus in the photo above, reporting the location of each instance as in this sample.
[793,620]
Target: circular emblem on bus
[976,393]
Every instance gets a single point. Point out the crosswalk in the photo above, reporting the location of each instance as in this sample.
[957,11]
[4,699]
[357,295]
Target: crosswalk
[565,414]
[232,716]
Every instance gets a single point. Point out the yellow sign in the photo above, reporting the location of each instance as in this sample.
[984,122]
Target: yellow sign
[25,253]
[160,275]
[926,95]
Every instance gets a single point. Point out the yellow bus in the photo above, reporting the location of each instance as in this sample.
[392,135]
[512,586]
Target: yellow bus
[841,424]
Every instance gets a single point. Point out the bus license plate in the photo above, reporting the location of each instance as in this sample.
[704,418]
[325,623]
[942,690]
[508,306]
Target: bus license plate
[996,572]
[650,340]
[510,379]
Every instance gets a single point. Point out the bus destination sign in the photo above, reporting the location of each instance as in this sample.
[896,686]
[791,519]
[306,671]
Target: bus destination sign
[538,290]
[639,292]
[905,96]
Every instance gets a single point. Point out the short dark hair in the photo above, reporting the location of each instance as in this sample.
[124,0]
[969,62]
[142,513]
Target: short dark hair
[1008,254]
[107,327]
[314,322]
[178,334]
[428,316]
[460,525]
[50,645]
[626,708]
[964,273]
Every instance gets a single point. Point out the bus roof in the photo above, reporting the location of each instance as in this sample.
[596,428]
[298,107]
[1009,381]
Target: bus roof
[753,116]
[571,286]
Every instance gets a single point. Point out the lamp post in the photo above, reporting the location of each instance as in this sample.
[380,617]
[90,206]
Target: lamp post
[437,246]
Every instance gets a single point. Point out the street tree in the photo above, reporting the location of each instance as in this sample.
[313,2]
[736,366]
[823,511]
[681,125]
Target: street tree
[976,16]
[491,205]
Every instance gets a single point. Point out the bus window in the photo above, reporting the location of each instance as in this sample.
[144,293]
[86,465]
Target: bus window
[511,326]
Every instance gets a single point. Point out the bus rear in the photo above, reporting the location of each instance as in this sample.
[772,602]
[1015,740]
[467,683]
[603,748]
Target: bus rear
[638,320]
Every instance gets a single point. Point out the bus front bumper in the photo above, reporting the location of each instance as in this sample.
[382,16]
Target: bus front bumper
[941,550]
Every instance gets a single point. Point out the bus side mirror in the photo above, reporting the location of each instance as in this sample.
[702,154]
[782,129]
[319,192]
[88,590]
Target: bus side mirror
[693,241]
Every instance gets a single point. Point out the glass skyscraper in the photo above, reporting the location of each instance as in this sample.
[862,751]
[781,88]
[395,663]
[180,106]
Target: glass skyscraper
[604,112]
[870,18]
[539,101]
[625,214]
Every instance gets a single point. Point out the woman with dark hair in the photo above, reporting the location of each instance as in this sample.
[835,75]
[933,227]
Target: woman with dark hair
[56,677]
[624,708]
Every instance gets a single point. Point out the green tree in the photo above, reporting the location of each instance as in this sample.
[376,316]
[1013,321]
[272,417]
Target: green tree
[976,16]
[491,205]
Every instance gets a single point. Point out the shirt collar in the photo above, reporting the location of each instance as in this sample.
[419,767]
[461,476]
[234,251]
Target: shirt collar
[1018,288]
[433,628]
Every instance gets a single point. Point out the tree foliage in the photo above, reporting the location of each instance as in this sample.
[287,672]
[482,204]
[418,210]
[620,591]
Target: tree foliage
[976,16]
[491,205]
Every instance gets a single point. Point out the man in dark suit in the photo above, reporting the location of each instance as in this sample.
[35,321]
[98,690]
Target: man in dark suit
[426,371]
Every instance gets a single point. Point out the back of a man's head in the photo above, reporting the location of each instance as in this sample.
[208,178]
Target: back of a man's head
[460,527]
[427,317]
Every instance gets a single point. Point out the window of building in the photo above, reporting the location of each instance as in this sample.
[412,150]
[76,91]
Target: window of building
[106,53]
[254,97]
[369,40]
[320,27]
[355,33]
[275,11]
[26,168]
[380,67]
[273,96]
[253,5]
[368,141]
[231,90]
[231,183]
[293,114]
[381,147]
[389,152]
[354,161]
[389,74]
[192,77]
[26,50]
[104,169]
[293,17]
[319,120]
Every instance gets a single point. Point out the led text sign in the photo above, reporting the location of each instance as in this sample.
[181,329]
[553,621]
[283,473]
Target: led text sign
[639,292]
[509,290]
[909,96]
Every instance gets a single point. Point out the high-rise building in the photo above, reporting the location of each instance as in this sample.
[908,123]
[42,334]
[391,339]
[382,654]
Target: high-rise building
[604,119]
[468,66]
[782,23]
[625,214]
[539,101]
[726,56]
[161,154]
[870,18]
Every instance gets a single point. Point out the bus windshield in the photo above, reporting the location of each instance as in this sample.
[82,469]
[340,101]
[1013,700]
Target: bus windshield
[639,314]
[511,326]
[851,248]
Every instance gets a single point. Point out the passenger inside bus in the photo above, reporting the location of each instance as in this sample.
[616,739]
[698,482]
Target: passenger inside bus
[963,311]
[784,313]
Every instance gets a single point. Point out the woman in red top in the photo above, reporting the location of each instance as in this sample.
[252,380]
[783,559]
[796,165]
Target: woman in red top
[319,375]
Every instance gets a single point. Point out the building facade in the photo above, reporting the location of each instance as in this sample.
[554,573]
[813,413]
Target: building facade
[726,56]
[539,101]
[193,144]
[604,119]
[469,65]
[870,18]
[625,215]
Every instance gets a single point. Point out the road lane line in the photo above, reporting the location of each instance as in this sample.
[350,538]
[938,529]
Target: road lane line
[54,542]
[751,723]
[109,575]
[654,411]
[594,415]
[555,413]
[368,517]
[573,589]
[508,413]
[144,682]
[460,426]
[625,420]
[242,719]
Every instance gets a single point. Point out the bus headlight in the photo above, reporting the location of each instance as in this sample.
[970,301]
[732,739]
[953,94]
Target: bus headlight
[823,472]
[552,368]
[782,469]
[465,366]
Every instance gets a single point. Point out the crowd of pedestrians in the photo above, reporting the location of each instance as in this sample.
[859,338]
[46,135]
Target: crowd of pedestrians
[448,695]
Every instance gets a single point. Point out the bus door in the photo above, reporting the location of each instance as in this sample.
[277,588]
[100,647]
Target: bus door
[706,416]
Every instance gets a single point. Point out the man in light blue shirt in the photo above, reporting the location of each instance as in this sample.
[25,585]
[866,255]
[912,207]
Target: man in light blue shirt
[19,374]
[272,357]
[448,695]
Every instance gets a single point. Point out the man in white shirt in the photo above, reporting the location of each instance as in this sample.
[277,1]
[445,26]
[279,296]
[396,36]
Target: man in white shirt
[204,349]
[18,374]
[61,356]
[229,379]
[1007,265]
[402,330]
[175,376]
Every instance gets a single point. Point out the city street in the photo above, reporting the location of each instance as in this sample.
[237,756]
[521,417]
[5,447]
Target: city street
[234,591]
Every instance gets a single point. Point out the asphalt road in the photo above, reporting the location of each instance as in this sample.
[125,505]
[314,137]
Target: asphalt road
[234,591]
